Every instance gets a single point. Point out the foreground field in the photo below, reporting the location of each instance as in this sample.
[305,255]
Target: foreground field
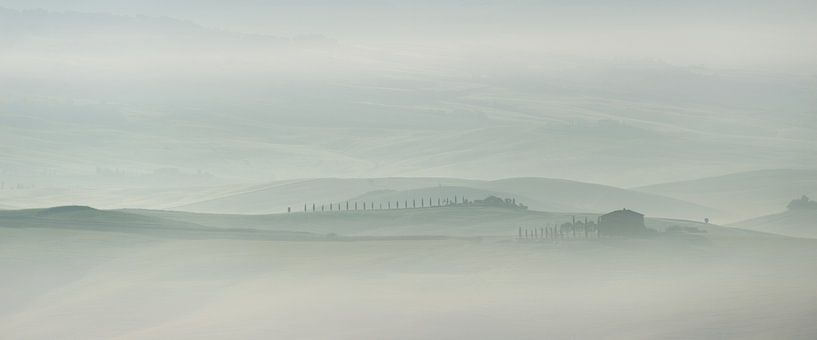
[73,283]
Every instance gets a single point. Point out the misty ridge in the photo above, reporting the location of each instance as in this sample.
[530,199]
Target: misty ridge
[408,170]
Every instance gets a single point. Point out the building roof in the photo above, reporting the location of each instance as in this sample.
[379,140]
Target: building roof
[624,211]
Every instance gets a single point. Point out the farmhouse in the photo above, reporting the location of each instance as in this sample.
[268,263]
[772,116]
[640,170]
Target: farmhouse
[493,201]
[621,223]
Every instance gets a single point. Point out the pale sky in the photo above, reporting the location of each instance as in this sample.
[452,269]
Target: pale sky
[485,89]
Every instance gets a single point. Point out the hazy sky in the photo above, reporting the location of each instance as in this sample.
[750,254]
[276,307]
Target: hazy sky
[717,33]
[617,92]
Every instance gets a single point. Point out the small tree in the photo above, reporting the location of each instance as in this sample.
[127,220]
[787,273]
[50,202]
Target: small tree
[804,203]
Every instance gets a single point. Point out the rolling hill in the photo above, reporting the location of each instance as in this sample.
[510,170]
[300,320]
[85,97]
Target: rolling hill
[542,194]
[494,222]
[277,196]
[796,223]
[444,221]
[563,195]
[453,221]
[743,195]
[90,219]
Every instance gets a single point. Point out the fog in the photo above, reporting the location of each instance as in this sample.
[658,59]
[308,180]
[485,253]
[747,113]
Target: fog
[93,284]
[195,88]
[374,169]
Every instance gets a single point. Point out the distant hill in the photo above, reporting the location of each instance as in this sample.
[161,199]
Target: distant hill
[445,221]
[422,196]
[442,221]
[542,194]
[437,222]
[797,223]
[87,218]
[743,195]
[116,198]
[277,196]
[563,195]
[83,217]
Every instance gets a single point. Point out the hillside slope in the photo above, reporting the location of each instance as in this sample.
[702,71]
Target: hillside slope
[554,194]
[445,221]
[90,219]
[503,223]
[745,194]
[277,196]
[538,193]
[796,223]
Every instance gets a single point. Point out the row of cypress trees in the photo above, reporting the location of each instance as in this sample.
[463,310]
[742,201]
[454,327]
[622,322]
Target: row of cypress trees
[356,206]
